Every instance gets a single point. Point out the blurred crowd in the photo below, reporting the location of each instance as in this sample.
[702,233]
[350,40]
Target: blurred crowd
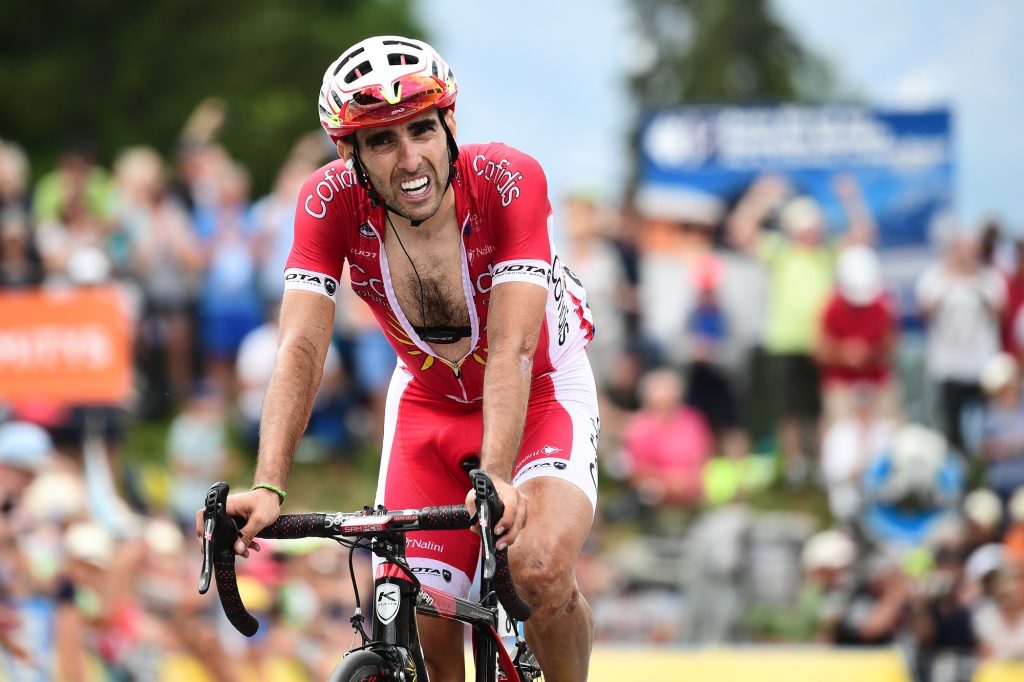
[751,357]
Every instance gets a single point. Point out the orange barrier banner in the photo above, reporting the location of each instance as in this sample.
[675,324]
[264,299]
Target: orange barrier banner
[70,346]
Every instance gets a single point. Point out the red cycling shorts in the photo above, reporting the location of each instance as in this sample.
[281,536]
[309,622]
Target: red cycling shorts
[427,438]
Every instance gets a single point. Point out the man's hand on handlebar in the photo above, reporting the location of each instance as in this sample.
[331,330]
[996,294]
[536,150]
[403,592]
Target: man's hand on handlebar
[259,508]
[508,527]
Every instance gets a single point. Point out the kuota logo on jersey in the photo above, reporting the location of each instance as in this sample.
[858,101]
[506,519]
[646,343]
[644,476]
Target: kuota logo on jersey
[296,278]
[325,191]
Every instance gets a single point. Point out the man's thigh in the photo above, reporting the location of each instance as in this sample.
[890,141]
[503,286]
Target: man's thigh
[426,439]
[561,432]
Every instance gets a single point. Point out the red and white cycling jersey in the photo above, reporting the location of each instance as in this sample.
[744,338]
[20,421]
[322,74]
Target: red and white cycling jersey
[502,206]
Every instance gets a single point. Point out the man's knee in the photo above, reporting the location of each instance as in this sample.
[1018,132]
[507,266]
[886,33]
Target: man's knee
[545,578]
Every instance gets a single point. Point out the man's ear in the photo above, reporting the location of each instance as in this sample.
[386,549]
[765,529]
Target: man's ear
[345,150]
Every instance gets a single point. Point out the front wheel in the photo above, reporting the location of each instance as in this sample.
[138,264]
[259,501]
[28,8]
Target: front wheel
[361,666]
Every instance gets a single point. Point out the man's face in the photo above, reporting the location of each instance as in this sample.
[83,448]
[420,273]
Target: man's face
[408,164]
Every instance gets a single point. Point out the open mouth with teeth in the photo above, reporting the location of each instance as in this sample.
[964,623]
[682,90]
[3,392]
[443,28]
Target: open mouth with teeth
[416,187]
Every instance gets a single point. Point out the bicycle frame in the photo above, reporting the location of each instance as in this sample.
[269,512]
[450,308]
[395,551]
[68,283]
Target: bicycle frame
[397,600]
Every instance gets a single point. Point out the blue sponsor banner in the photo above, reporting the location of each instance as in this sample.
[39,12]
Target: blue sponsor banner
[901,160]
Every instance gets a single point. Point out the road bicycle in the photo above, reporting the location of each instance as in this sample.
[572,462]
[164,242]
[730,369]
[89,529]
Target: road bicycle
[392,651]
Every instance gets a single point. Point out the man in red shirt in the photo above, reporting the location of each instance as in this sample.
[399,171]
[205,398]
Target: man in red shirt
[451,248]
[858,334]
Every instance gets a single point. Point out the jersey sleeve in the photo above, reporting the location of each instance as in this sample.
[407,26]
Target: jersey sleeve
[520,213]
[318,248]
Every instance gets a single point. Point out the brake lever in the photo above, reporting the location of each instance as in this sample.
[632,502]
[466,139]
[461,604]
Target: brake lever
[219,530]
[487,504]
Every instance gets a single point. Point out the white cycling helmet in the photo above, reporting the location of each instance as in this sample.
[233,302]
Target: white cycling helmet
[381,81]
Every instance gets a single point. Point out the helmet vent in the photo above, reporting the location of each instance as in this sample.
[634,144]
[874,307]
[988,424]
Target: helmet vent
[400,58]
[344,60]
[433,68]
[358,72]
[402,42]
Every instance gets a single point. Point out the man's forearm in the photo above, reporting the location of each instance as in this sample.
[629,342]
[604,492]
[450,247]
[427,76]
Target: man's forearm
[506,394]
[286,409]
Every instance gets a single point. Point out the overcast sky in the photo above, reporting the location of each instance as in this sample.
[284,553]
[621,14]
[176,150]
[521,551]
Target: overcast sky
[549,78]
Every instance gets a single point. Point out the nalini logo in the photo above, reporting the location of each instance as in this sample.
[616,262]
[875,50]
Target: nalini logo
[366,230]
[386,604]
[330,286]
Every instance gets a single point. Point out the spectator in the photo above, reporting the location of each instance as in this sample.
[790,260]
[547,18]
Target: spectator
[598,265]
[230,305]
[1002,445]
[20,265]
[961,300]
[328,423]
[272,226]
[848,446]
[800,264]
[709,388]
[877,607]
[827,559]
[14,170]
[983,514]
[666,444]
[25,449]
[197,452]
[857,337]
[74,229]
[999,619]
[940,612]
[1008,325]
[78,182]
[162,252]
[1014,537]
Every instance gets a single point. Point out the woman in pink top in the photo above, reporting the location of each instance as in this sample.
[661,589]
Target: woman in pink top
[666,444]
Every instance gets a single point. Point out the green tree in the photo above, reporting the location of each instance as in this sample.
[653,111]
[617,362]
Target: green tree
[123,72]
[720,51]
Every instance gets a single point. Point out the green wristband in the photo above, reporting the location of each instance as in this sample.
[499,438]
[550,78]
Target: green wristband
[280,493]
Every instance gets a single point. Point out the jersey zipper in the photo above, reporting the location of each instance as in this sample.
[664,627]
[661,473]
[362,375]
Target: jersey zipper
[457,371]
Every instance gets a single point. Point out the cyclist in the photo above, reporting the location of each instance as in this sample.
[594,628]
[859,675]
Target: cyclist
[451,248]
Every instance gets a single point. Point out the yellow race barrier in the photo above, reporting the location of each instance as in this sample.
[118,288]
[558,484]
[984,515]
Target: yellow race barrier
[763,664]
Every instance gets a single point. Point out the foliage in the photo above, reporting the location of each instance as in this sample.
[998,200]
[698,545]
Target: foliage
[120,72]
[721,51]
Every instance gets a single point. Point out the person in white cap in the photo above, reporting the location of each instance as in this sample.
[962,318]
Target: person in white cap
[25,450]
[857,336]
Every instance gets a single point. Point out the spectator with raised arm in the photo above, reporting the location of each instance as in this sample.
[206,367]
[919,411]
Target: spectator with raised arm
[800,262]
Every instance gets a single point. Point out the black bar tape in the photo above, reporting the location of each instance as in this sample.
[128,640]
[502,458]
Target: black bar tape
[295,526]
[227,590]
[506,591]
[450,517]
